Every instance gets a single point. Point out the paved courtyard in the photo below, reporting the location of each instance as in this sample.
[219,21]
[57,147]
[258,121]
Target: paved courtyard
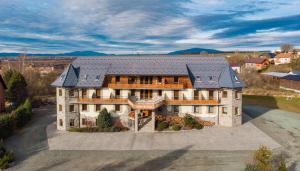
[33,152]
[245,137]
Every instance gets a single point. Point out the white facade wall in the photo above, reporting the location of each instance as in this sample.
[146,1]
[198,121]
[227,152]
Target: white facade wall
[229,119]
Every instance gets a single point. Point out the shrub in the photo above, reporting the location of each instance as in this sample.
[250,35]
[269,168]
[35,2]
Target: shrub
[198,125]
[264,160]
[162,125]
[23,114]
[5,157]
[176,127]
[189,121]
[104,119]
[6,125]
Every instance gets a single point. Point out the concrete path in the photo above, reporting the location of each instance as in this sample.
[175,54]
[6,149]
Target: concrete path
[245,137]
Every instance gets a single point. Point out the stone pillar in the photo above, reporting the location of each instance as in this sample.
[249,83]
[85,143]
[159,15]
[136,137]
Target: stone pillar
[136,121]
[153,120]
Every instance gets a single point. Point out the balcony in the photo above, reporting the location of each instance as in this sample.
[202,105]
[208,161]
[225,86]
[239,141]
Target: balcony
[190,101]
[104,100]
[147,104]
[145,86]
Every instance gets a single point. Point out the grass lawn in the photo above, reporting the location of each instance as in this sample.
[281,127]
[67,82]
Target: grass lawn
[283,103]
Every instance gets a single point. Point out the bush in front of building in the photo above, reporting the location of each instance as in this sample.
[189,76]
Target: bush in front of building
[176,127]
[197,125]
[6,157]
[162,125]
[189,121]
[104,119]
[6,125]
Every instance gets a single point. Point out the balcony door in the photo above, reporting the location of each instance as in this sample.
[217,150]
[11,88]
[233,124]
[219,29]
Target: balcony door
[146,94]
[211,94]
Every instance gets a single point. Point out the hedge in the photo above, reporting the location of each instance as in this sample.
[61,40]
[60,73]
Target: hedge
[6,125]
[17,118]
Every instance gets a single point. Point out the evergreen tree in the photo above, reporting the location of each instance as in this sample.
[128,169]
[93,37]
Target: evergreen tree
[16,87]
[104,119]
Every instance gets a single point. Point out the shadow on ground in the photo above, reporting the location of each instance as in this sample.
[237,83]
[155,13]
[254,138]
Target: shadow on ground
[33,137]
[255,106]
[155,164]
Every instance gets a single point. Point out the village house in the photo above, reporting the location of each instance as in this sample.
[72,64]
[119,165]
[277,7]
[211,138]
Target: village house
[269,56]
[283,58]
[288,81]
[138,87]
[2,94]
[257,63]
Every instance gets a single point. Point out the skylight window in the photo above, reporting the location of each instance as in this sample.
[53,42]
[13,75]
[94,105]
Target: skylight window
[198,78]
[85,76]
[210,78]
[97,78]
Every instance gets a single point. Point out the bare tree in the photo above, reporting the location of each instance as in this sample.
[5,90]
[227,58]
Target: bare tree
[286,47]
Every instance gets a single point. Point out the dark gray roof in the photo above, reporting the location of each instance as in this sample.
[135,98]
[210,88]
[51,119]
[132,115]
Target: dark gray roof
[91,71]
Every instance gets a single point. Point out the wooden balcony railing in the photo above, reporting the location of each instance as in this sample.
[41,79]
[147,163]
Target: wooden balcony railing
[145,104]
[103,100]
[145,86]
[190,102]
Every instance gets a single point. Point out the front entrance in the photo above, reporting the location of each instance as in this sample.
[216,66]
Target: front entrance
[146,94]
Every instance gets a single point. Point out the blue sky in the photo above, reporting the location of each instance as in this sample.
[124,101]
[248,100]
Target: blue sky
[146,26]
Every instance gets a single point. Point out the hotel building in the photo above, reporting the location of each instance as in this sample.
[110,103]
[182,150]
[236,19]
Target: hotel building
[136,88]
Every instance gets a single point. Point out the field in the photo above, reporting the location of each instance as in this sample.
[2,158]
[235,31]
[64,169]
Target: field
[284,103]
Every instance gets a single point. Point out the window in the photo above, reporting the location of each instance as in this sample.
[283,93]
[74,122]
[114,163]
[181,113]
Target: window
[236,95]
[236,111]
[176,94]
[224,94]
[159,92]
[117,79]
[71,93]
[132,92]
[61,122]
[84,93]
[118,93]
[211,94]
[131,80]
[72,122]
[84,107]
[197,109]
[60,108]
[224,110]
[71,108]
[98,93]
[176,80]
[196,95]
[210,78]
[176,109]
[210,109]
[98,107]
[117,108]
[159,80]
[83,121]
[60,92]
[169,109]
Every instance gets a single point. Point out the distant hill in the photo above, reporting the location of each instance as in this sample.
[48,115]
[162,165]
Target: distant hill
[194,51]
[76,53]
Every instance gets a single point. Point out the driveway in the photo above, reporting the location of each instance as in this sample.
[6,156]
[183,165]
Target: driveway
[244,137]
[32,149]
